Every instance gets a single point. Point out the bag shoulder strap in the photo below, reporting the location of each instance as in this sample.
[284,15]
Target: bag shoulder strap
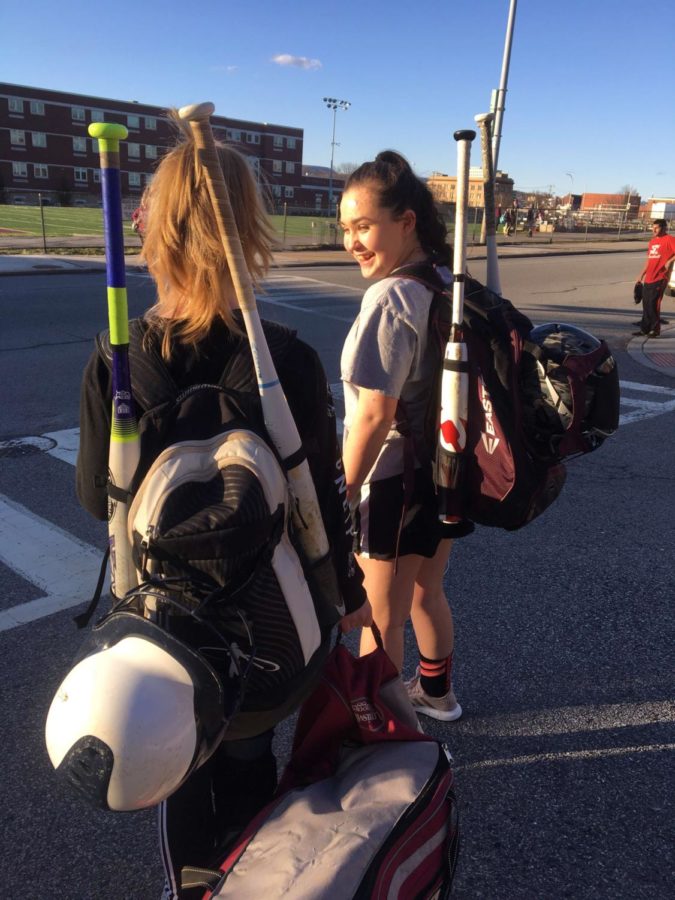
[151,381]
[239,372]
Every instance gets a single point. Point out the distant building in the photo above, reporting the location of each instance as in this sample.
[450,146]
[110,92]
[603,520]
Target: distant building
[610,205]
[45,148]
[444,188]
[660,208]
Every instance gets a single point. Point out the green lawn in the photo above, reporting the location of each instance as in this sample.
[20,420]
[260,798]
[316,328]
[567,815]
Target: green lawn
[66,221]
[60,221]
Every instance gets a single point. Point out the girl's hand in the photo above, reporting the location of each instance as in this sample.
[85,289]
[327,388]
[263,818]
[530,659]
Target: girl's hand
[360,618]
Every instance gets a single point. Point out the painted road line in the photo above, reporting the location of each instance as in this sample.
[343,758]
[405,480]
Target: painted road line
[57,563]
[635,409]
[66,444]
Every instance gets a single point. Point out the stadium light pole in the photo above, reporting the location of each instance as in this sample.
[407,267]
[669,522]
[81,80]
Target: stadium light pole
[334,104]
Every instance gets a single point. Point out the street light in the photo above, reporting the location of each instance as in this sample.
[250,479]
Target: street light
[334,104]
[571,178]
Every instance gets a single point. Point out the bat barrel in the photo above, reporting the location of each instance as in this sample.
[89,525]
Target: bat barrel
[484,121]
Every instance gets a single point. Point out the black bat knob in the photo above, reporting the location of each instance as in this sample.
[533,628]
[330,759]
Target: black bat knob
[464,135]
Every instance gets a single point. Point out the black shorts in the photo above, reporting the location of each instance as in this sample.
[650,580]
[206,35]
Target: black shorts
[379,518]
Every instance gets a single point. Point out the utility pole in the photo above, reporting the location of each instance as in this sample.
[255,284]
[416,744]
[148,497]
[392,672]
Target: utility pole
[499,97]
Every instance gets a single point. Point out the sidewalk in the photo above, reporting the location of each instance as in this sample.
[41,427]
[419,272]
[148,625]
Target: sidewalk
[654,353]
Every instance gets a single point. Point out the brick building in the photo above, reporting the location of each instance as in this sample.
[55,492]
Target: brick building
[45,148]
[444,188]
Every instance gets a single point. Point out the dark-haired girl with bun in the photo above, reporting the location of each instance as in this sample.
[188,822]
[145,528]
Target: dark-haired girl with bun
[389,221]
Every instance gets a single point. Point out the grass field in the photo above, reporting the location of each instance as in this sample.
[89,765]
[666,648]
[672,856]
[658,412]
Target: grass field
[60,221]
[66,221]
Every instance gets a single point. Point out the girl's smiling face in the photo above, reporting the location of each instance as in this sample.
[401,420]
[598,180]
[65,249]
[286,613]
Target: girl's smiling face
[378,242]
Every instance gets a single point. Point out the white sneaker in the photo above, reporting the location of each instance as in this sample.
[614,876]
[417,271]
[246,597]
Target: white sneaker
[445,708]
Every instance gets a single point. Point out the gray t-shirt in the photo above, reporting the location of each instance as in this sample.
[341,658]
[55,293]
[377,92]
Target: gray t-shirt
[386,351]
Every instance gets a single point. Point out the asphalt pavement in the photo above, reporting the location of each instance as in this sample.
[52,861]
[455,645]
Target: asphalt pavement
[657,354]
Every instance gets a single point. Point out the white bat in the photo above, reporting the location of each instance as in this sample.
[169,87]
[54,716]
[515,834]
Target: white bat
[276,412]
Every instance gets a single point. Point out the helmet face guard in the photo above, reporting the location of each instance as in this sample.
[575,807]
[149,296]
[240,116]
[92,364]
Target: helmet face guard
[580,380]
[139,711]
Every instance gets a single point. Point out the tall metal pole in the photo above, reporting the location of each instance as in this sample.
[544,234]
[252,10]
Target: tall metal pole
[334,104]
[497,105]
[501,93]
[332,155]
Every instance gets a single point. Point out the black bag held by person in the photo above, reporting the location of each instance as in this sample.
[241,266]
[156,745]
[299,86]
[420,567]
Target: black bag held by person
[537,396]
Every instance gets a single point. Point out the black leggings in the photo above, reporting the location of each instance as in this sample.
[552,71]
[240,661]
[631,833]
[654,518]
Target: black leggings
[213,806]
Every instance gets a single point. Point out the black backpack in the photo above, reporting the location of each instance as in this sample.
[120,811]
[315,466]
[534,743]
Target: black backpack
[212,534]
[537,396]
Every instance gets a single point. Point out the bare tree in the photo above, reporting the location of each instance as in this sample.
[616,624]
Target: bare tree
[346,168]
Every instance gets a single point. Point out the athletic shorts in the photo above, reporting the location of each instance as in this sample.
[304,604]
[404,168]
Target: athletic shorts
[379,517]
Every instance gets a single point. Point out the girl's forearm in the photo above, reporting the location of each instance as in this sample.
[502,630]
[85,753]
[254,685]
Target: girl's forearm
[364,441]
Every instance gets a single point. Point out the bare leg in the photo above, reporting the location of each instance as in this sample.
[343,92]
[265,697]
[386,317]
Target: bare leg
[430,612]
[391,597]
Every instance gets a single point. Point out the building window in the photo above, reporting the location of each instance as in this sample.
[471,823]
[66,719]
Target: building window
[252,138]
[17,138]
[77,113]
[37,107]
[79,145]
[288,192]
[278,142]
[81,175]
[148,178]
[150,151]
[39,139]
[290,143]
[134,151]
[276,166]
[133,122]
[97,115]
[276,190]
[40,171]
[20,170]
[94,145]
[318,200]
[290,168]
[234,136]
[151,123]
[15,105]
[97,176]
[134,179]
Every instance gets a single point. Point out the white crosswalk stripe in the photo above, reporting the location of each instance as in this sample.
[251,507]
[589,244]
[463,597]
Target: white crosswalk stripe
[65,568]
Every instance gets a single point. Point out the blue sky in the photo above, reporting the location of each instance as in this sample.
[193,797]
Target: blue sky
[588,106]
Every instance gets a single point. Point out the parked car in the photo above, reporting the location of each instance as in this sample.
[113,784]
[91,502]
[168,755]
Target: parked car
[671,284]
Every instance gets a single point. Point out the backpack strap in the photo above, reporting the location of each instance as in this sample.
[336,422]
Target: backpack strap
[151,381]
[239,373]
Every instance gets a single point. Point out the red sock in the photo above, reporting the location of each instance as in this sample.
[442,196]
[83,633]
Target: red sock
[435,675]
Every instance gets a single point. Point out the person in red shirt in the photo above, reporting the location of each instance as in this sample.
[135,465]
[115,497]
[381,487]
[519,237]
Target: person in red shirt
[654,276]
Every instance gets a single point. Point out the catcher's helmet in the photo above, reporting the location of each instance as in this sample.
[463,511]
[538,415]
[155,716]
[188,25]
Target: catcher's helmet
[138,712]
[580,381]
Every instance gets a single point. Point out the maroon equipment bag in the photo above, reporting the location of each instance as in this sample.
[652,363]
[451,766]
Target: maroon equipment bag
[365,807]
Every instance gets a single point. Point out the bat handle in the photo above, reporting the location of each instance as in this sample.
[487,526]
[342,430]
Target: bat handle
[464,139]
